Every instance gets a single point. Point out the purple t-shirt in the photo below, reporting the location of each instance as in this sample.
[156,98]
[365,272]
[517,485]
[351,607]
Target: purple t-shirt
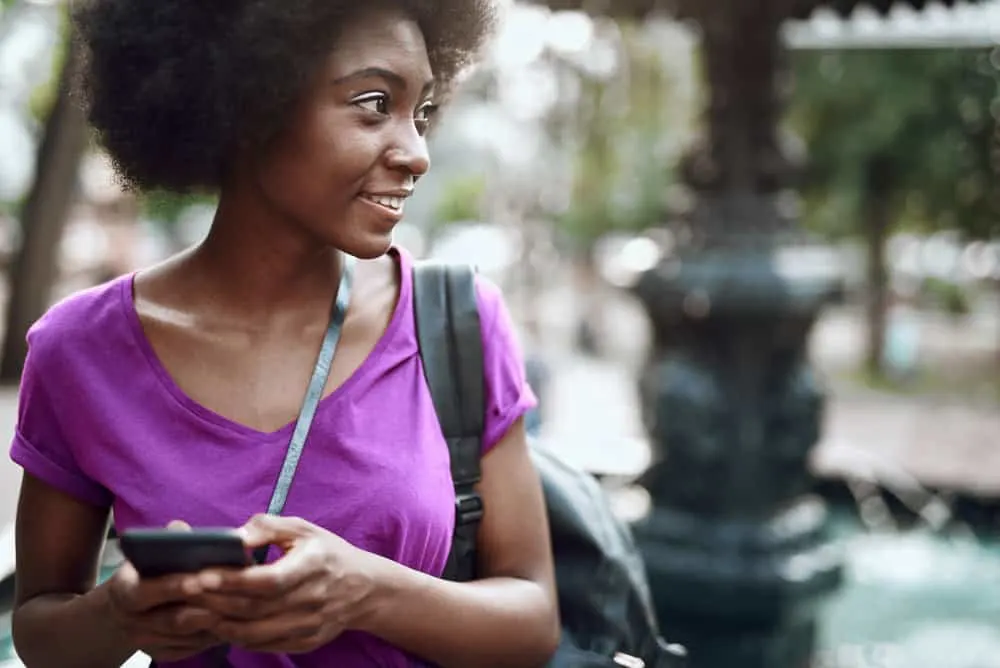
[101,419]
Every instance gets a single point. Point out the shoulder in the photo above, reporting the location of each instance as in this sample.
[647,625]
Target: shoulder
[489,296]
[79,322]
[490,299]
[508,395]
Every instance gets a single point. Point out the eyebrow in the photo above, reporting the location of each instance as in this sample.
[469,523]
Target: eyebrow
[382,73]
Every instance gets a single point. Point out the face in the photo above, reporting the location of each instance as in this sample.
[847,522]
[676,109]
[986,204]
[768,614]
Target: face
[353,150]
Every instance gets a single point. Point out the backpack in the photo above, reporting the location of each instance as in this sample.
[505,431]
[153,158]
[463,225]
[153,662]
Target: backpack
[604,600]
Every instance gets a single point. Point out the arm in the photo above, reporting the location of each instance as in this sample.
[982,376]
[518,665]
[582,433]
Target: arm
[62,519]
[59,542]
[476,623]
[322,585]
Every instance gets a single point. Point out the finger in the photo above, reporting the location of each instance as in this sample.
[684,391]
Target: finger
[311,597]
[123,587]
[180,621]
[264,529]
[284,631]
[177,628]
[266,581]
[194,641]
[131,594]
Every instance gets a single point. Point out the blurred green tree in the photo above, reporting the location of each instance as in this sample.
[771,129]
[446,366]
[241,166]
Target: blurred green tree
[628,133]
[461,201]
[898,138]
[45,210]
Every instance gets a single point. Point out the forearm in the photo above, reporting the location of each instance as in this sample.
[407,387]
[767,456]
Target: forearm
[67,631]
[490,623]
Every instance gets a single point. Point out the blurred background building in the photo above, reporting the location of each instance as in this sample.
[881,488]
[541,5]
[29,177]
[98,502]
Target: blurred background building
[593,167]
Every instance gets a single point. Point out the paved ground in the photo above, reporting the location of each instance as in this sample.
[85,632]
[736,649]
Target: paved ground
[899,441]
[943,439]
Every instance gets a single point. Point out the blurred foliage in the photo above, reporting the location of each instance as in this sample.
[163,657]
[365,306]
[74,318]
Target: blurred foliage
[161,207]
[461,200]
[166,208]
[947,296]
[929,115]
[626,150]
[44,95]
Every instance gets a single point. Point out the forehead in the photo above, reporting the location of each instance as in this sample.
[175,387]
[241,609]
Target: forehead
[384,38]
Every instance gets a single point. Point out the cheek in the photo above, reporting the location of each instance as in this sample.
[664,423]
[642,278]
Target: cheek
[322,161]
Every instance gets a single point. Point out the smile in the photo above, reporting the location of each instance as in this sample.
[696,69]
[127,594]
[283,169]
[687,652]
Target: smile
[391,204]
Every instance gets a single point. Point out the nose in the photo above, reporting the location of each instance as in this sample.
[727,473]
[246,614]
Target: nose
[409,152]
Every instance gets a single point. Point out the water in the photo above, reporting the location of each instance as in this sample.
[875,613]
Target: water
[920,598]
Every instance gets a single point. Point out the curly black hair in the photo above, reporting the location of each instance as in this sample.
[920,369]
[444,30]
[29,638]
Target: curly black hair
[177,88]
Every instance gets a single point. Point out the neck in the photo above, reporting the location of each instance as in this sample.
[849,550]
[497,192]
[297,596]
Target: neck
[258,261]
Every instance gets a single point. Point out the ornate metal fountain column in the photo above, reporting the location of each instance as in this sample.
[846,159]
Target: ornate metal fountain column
[737,551]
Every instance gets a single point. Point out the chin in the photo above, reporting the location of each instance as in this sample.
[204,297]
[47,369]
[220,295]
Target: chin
[370,247]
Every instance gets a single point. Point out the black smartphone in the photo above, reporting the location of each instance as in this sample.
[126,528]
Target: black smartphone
[158,552]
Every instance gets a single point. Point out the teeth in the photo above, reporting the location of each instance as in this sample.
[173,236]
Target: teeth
[388,202]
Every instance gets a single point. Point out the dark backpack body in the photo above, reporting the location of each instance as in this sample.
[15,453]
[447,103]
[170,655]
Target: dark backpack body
[604,600]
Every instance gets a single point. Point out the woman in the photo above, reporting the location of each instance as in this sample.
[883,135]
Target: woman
[170,396]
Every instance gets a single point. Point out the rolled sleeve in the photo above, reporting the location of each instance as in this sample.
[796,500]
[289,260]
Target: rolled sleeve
[508,395]
[66,478]
[40,446]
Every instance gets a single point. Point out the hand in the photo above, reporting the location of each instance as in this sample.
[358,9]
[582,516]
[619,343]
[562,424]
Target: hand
[155,614]
[302,601]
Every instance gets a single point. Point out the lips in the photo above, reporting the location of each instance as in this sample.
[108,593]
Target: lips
[388,209]
[391,202]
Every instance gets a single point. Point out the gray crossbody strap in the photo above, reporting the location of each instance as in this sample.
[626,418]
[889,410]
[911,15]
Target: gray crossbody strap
[314,393]
[219,656]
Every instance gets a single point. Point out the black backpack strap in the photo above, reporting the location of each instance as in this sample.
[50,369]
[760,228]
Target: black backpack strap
[450,340]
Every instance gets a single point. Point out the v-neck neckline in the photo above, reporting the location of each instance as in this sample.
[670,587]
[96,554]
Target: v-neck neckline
[202,412]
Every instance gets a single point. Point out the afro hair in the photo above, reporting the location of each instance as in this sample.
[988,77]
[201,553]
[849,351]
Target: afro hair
[177,88]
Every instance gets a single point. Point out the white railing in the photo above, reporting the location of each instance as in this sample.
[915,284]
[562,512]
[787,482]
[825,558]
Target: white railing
[935,26]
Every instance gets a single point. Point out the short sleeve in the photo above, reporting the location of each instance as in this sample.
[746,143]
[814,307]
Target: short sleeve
[40,445]
[508,395]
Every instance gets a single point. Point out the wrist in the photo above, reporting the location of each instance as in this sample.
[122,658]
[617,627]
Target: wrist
[102,607]
[387,579]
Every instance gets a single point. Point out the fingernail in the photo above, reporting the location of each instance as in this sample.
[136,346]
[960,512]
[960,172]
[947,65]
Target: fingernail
[191,586]
[211,580]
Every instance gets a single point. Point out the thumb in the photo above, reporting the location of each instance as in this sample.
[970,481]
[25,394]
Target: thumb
[124,578]
[178,525]
[122,587]
[263,530]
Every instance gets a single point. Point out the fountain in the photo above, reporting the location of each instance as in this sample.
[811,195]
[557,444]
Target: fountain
[739,554]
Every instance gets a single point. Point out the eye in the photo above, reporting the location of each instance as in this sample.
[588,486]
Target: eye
[425,114]
[374,102]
